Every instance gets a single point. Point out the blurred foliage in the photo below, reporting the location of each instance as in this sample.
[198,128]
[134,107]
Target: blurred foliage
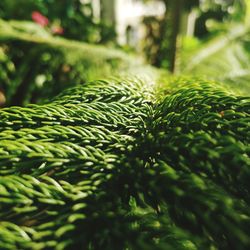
[157,44]
[224,58]
[220,11]
[75,17]
[225,54]
[152,41]
[57,63]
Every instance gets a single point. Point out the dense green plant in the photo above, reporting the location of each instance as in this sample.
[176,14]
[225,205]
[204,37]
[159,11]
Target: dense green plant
[107,165]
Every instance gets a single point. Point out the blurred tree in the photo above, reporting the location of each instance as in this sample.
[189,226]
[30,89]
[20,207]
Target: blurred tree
[172,26]
[161,45]
[108,20]
[164,42]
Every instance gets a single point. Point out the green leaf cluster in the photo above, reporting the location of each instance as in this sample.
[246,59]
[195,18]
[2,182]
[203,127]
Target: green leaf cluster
[107,165]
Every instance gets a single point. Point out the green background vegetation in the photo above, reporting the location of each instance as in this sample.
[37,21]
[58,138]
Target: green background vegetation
[141,159]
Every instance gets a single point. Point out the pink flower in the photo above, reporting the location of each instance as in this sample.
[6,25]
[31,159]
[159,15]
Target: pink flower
[57,30]
[38,18]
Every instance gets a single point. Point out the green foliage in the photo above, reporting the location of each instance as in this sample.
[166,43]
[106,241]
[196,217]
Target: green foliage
[106,166]
[74,17]
[213,19]
[224,58]
[221,11]
[129,163]
[56,63]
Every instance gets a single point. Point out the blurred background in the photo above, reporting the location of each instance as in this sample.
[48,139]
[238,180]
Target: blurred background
[197,37]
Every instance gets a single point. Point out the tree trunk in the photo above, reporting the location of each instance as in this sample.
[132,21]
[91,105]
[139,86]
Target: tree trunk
[173,19]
